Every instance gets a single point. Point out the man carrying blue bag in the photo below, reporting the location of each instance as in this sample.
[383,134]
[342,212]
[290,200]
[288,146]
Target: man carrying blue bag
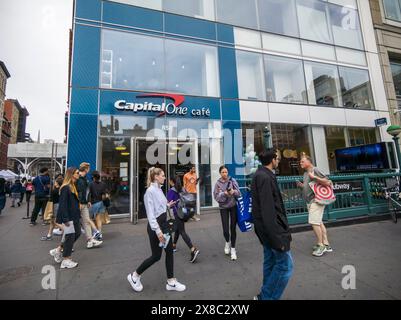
[271,227]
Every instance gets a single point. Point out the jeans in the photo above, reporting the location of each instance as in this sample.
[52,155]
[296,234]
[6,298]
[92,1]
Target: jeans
[277,271]
[181,231]
[15,197]
[226,215]
[70,240]
[40,204]
[2,202]
[157,252]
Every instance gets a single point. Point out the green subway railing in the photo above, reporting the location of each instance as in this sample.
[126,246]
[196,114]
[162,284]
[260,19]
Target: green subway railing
[357,195]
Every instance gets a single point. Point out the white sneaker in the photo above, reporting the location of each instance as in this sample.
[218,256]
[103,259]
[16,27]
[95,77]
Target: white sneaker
[68,264]
[56,254]
[227,248]
[96,243]
[57,232]
[175,286]
[89,244]
[233,254]
[135,283]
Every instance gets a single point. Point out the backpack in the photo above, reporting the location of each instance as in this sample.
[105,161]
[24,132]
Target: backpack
[186,206]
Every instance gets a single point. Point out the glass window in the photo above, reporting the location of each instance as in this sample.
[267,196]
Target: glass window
[323,84]
[285,80]
[247,38]
[360,136]
[151,4]
[335,139]
[278,16]
[115,172]
[356,89]
[396,72]
[239,13]
[203,9]
[392,9]
[121,69]
[292,141]
[191,68]
[281,44]
[346,27]
[351,56]
[348,3]
[313,20]
[129,126]
[318,50]
[250,76]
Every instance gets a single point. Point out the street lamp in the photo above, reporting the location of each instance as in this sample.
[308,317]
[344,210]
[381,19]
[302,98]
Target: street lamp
[395,130]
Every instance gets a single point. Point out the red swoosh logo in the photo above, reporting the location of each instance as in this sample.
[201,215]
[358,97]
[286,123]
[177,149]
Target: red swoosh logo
[178,99]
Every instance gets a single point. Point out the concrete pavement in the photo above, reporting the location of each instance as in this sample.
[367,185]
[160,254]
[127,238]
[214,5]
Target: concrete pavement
[374,249]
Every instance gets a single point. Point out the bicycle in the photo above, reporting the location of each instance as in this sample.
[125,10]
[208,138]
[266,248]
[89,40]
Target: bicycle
[393,205]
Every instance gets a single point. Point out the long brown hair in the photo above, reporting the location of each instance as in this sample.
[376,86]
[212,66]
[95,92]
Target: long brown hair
[152,173]
[68,180]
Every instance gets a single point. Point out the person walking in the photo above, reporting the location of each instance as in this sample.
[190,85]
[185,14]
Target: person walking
[69,215]
[16,190]
[271,227]
[156,206]
[3,193]
[85,205]
[54,198]
[97,193]
[226,192]
[190,185]
[315,209]
[41,186]
[28,190]
[173,195]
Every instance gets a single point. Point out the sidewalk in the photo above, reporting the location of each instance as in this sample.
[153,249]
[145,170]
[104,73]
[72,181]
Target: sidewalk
[374,249]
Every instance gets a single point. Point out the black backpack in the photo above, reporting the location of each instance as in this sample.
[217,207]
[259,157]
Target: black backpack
[186,205]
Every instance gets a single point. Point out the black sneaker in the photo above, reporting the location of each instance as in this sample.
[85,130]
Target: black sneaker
[46,238]
[32,223]
[194,255]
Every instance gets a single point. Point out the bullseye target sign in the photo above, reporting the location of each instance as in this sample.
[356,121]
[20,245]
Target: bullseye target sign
[323,194]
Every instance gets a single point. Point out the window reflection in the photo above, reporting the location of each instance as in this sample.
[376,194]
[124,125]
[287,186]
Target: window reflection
[356,88]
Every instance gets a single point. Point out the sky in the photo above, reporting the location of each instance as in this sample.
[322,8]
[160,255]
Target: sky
[34,45]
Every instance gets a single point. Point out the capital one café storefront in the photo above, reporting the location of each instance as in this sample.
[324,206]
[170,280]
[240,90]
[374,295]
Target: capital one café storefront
[139,130]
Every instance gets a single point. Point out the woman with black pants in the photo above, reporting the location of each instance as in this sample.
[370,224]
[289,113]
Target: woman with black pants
[225,193]
[156,206]
[174,195]
[69,214]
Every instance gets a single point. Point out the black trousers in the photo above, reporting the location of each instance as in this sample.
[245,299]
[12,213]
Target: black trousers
[157,251]
[28,196]
[40,204]
[181,231]
[70,240]
[229,222]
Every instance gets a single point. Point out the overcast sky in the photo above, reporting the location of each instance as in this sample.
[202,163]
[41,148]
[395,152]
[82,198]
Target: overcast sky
[34,40]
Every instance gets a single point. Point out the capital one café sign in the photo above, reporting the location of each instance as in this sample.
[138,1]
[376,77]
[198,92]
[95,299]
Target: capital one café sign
[170,108]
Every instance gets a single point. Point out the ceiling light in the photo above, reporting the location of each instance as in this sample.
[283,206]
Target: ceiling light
[121,148]
[125,153]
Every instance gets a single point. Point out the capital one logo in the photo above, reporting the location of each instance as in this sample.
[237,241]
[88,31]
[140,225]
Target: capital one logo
[175,107]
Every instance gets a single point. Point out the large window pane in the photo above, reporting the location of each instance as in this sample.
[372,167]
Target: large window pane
[359,136]
[396,71]
[292,141]
[313,20]
[250,76]
[238,13]
[351,56]
[356,89]
[285,80]
[191,68]
[131,61]
[335,139]
[323,84]
[318,50]
[203,9]
[278,16]
[346,27]
[392,9]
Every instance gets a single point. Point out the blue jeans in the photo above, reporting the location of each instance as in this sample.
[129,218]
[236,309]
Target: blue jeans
[277,271]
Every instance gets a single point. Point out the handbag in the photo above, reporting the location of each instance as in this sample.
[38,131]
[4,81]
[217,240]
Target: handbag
[323,194]
[244,212]
[169,226]
[48,214]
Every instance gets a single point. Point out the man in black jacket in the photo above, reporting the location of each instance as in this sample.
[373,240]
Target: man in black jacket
[271,227]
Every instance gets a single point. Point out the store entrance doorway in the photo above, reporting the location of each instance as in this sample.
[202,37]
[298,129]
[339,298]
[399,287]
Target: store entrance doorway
[174,156]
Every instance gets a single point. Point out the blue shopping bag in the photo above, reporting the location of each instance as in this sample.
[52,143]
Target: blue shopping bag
[244,212]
